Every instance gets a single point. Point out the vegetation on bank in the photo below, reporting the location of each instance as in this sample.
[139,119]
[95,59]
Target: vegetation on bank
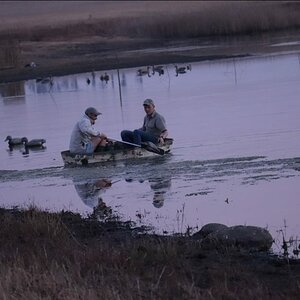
[194,20]
[62,256]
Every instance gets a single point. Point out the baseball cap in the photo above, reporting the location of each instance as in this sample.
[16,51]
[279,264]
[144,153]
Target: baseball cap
[92,110]
[148,102]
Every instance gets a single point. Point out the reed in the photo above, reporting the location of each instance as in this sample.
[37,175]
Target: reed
[207,19]
[10,54]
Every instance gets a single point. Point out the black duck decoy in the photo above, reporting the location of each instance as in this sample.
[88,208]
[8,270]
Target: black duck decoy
[180,70]
[14,141]
[158,69]
[104,77]
[35,143]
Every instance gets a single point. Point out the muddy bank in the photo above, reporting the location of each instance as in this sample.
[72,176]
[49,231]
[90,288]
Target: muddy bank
[85,55]
[63,256]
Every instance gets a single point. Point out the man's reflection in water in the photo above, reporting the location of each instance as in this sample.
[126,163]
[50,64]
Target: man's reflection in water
[160,186]
[90,192]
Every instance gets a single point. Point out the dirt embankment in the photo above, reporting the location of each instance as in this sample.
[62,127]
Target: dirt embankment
[62,256]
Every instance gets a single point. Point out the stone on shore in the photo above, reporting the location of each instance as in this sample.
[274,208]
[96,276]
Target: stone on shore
[248,237]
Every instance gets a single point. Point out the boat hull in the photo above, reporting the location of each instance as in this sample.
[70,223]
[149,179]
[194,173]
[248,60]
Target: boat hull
[112,154]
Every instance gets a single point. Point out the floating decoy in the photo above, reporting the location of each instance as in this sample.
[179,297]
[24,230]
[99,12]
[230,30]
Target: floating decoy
[158,69]
[35,143]
[141,72]
[180,70]
[104,77]
[14,141]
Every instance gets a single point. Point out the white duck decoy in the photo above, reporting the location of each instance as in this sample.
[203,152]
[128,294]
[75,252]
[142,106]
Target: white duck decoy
[35,143]
[14,141]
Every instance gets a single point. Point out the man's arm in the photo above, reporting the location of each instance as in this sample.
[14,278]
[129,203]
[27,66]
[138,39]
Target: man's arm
[86,127]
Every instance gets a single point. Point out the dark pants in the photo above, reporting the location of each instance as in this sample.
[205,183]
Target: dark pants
[137,137]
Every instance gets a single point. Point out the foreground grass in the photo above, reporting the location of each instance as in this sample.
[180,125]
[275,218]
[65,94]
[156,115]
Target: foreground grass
[61,256]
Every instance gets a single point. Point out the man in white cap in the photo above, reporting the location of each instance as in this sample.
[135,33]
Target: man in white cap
[85,138]
[153,129]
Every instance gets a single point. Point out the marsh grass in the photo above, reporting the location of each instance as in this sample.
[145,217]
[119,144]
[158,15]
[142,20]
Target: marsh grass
[61,256]
[10,54]
[194,20]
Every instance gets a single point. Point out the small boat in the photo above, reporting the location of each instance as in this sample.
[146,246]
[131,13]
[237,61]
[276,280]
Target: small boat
[117,150]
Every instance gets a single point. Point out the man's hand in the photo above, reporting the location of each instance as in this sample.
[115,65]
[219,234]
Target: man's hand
[160,140]
[103,136]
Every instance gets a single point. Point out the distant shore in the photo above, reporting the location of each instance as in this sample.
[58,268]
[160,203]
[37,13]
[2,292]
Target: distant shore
[106,54]
[110,35]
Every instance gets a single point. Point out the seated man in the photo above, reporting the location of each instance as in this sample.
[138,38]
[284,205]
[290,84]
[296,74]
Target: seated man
[153,129]
[85,138]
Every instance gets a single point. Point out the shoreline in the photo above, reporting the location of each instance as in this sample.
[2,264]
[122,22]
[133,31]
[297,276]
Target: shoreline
[65,253]
[98,54]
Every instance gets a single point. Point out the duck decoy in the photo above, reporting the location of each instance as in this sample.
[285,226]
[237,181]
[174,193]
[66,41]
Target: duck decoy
[141,72]
[180,70]
[104,77]
[14,141]
[158,69]
[35,143]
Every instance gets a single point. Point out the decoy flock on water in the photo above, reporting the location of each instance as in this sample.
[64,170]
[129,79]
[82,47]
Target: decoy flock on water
[160,70]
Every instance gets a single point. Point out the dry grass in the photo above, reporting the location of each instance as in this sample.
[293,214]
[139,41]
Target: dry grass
[181,19]
[61,256]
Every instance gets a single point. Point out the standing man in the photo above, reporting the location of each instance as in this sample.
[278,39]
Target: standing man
[85,138]
[153,129]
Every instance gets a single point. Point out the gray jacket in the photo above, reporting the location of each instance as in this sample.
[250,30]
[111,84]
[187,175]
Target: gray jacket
[81,134]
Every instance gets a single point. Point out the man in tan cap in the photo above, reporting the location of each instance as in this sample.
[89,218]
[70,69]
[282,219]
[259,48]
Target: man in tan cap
[85,138]
[153,129]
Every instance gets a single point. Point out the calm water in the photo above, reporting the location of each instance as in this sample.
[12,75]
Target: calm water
[236,159]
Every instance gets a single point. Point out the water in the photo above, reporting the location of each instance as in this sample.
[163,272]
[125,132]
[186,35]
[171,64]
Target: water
[235,124]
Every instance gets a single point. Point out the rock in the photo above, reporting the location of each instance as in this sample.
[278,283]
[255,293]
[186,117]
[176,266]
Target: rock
[208,229]
[249,237]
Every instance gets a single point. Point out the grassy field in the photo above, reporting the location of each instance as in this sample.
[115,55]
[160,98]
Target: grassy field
[42,20]
[61,256]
